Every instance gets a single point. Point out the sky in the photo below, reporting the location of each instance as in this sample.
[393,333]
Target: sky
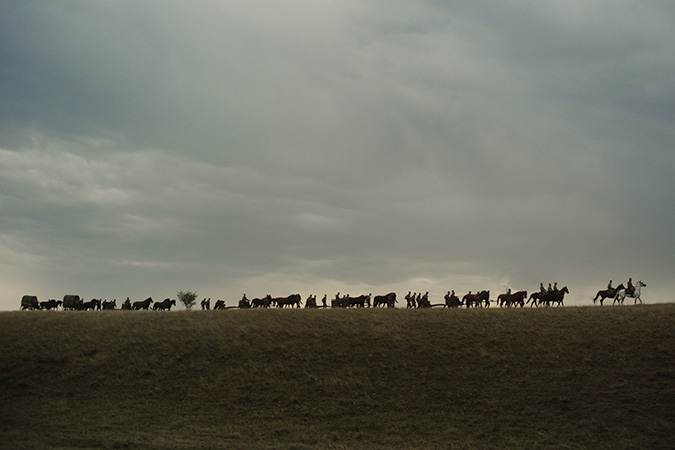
[316,147]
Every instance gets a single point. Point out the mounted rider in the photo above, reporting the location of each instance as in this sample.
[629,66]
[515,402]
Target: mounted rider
[505,299]
[630,289]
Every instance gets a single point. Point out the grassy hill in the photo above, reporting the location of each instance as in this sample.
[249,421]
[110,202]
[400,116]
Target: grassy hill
[339,379]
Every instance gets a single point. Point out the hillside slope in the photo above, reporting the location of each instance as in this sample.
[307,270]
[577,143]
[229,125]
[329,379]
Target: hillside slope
[339,379]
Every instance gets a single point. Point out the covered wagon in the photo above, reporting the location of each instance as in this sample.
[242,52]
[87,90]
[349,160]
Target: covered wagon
[72,302]
[29,302]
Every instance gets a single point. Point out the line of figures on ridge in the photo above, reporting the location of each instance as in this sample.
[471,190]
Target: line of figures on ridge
[549,296]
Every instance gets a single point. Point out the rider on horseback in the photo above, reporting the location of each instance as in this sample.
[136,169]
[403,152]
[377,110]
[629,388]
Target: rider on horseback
[609,286]
[630,289]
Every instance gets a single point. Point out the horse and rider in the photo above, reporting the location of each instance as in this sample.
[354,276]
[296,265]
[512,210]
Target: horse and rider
[613,292]
[630,288]
[630,291]
[610,292]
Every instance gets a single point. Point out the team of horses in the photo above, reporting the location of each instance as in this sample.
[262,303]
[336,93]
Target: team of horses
[268,301]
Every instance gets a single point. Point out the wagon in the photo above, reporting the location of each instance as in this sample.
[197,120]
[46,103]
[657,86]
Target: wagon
[29,302]
[72,302]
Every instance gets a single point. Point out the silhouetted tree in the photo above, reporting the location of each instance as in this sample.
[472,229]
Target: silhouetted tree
[188,298]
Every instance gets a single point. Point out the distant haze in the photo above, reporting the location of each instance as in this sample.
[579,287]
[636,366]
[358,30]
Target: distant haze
[352,146]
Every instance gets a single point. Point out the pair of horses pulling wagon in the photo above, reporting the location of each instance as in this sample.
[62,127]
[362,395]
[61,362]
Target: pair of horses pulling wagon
[31,302]
[347,301]
[291,301]
[75,303]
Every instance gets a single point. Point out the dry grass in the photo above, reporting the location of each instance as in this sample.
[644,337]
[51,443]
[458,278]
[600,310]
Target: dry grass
[339,379]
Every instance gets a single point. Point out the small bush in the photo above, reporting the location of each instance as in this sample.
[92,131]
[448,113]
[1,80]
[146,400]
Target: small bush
[188,298]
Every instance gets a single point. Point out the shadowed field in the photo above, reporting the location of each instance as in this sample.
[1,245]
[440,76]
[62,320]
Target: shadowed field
[339,379]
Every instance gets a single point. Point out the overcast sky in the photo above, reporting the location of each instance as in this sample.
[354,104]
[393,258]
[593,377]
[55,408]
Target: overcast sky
[314,146]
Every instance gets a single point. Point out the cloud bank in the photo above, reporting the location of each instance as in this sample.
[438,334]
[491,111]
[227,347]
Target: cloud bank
[266,147]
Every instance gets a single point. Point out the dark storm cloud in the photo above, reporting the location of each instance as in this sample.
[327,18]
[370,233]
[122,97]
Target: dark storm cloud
[226,146]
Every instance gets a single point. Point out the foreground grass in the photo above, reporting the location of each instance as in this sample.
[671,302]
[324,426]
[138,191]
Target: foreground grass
[336,379]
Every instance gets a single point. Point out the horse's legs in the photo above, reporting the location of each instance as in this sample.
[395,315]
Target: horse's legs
[620,298]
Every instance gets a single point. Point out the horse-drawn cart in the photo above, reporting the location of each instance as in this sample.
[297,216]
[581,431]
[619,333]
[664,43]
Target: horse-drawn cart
[29,302]
[72,302]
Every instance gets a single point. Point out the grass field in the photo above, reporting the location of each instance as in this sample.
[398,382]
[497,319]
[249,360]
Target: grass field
[571,378]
